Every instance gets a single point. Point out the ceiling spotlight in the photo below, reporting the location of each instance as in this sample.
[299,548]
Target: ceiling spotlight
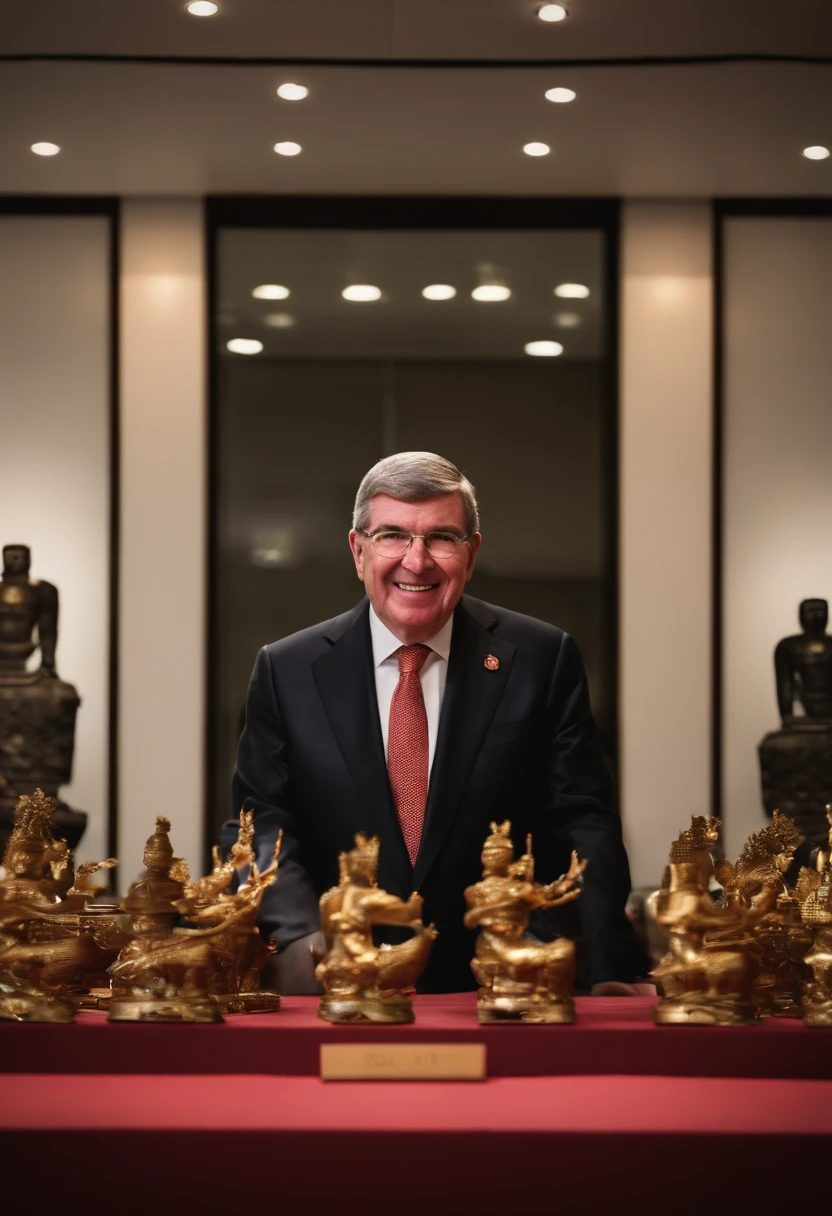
[816,152]
[536,149]
[45,149]
[490,293]
[560,95]
[287,147]
[270,291]
[292,92]
[439,291]
[552,12]
[572,291]
[543,349]
[279,320]
[244,346]
[202,8]
[361,293]
[567,320]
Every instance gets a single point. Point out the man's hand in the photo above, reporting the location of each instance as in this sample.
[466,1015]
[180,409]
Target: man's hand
[617,988]
[296,966]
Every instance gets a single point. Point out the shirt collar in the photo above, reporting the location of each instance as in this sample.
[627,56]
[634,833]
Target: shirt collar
[385,643]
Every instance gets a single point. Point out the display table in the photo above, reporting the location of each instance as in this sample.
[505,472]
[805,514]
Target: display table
[260,1127]
[611,1035]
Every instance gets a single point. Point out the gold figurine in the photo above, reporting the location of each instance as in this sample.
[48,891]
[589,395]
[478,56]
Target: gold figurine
[814,891]
[156,977]
[55,945]
[772,936]
[240,952]
[363,982]
[520,980]
[706,976]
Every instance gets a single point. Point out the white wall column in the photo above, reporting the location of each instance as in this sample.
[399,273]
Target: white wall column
[163,527]
[665,526]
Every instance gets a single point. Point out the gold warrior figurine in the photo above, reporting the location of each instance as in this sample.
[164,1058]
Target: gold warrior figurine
[814,891]
[363,982]
[520,980]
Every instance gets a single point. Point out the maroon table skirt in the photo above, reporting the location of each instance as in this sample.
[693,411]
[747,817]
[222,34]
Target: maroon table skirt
[171,1144]
[612,1035]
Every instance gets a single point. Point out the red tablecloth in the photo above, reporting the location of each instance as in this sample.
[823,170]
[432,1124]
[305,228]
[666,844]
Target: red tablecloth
[611,1035]
[97,1115]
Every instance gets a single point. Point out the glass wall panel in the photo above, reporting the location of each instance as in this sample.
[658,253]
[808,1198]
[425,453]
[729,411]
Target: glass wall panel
[334,384]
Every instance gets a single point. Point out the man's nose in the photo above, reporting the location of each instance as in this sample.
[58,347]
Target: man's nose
[417,557]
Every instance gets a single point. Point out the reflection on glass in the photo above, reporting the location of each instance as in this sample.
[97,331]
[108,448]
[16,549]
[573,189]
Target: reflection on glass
[337,387]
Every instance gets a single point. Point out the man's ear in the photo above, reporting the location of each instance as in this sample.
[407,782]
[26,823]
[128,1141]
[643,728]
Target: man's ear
[474,547]
[357,548]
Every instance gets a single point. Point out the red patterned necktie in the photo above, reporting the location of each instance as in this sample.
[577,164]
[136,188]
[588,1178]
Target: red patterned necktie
[407,746]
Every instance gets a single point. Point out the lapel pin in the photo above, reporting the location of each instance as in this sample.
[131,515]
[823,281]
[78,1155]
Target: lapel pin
[492,663]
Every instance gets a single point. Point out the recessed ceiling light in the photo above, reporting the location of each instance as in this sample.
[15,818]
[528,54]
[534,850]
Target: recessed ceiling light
[361,293]
[488,293]
[572,291]
[45,149]
[560,95]
[292,92]
[816,152]
[287,147]
[553,12]
[536,149]
[202,8]
[244,346]
[567,320]
[270,291]
[279,320]
[543,349]
[439,291]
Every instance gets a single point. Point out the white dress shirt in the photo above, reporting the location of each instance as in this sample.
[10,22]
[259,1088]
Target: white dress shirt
[432,676]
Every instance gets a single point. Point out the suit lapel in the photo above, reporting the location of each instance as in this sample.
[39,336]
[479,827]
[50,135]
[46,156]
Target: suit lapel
[346,684]
[472,694]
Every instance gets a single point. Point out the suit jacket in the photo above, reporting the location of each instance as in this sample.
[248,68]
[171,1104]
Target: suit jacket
[516,742]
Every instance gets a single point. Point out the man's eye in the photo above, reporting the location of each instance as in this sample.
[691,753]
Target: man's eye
[392,536]
[444,536]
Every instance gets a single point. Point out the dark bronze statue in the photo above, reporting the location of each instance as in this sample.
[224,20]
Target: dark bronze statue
[37,710]
[796,761]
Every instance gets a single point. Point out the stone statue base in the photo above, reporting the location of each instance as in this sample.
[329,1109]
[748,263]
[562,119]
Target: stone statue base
[796,774]
[37,734]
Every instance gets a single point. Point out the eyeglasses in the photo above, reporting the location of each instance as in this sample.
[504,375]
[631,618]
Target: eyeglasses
[396,544]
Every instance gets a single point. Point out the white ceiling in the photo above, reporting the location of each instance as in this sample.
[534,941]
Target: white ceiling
[174,129]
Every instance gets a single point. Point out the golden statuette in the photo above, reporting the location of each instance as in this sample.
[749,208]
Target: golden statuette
[706,976]
[772,935]
[814,892]
[239,950]
[520,980]
[55,944]
[363,982]
[168,974]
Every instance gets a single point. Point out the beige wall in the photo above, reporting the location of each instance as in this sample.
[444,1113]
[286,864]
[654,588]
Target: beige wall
[55,459]
[665,522]
[162,626]
[777,507]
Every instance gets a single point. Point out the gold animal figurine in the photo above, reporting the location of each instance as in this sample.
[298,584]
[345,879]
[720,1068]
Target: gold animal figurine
[363,982]
[520,980]
[702,982]
[239,950]
[814,891]
[55,945]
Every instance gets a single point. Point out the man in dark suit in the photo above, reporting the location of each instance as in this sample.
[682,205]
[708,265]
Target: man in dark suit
[420,716]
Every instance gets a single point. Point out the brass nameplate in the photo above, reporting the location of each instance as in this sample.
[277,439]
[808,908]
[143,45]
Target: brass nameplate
[403,1061]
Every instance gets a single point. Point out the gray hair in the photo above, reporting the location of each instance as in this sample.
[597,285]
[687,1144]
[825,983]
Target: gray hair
[413,477]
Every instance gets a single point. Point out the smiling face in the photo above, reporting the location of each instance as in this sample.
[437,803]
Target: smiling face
[415,595]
